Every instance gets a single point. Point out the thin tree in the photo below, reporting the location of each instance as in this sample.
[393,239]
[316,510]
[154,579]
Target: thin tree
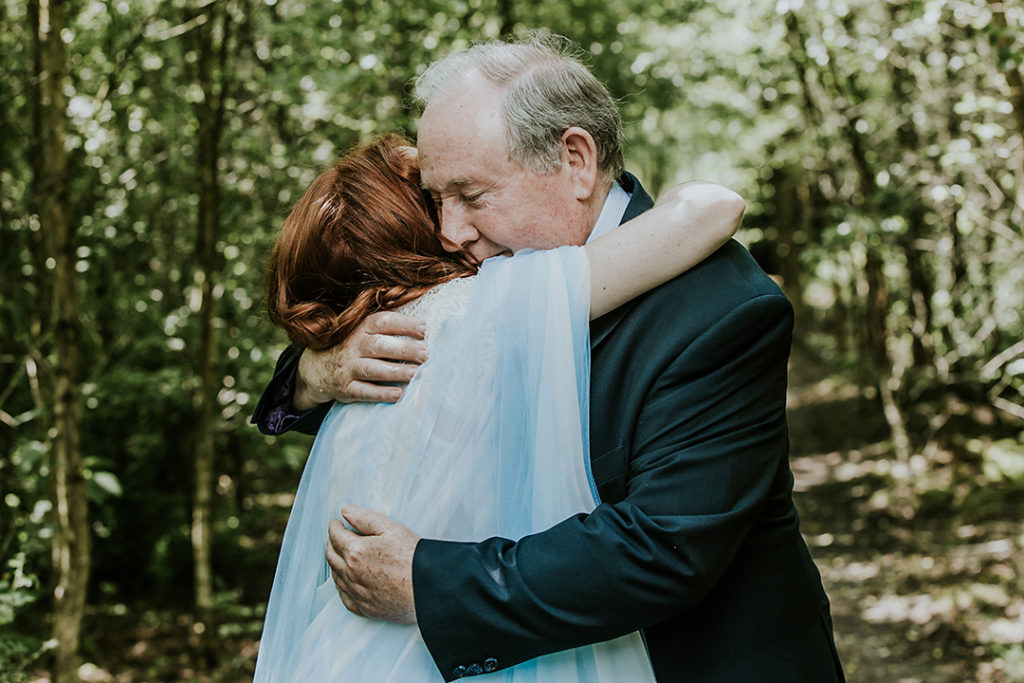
[53,207]
[211,76]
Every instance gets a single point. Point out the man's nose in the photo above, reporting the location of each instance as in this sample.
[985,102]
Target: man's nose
[456,231]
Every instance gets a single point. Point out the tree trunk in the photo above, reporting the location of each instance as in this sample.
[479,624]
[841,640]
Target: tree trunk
[1014,79]
[888,381]
[210,115]
[920,272]
[848,96]
[1012,72]
[788,220]
[41,284]
[71,523]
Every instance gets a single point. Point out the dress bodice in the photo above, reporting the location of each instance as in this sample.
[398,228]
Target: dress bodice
[448,300]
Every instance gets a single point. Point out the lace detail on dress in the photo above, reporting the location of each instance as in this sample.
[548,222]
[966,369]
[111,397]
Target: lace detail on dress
[447,301]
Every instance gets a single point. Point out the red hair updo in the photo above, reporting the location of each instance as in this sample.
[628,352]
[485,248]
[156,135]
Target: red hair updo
[362,239]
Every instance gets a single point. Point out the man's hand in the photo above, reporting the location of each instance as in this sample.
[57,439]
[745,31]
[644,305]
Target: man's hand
[386,347]
[373,571]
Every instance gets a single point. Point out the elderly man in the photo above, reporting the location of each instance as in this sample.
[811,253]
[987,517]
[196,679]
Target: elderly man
[696,540]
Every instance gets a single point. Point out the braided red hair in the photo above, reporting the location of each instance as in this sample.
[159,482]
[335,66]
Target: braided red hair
[363,238]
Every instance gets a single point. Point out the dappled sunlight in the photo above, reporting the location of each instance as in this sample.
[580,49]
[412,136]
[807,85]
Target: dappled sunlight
[920,609]
[810,470]
[925,572]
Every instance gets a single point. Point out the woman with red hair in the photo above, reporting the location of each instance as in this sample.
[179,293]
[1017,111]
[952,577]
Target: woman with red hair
[490,436]
[363,238]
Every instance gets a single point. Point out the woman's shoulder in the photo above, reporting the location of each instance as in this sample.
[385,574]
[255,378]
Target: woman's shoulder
[446,301]
[502,282]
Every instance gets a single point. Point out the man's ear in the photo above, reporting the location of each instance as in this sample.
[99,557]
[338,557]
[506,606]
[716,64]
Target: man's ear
[579,158]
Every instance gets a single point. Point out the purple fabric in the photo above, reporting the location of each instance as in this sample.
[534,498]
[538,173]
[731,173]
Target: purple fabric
[280,412]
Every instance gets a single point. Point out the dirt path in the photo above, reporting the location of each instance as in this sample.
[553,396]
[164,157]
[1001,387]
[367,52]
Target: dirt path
[924,577]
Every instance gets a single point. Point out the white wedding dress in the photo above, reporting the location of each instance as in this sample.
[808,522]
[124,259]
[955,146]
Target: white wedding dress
[487,440]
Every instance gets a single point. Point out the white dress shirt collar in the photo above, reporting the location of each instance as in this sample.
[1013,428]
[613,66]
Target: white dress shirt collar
[612,211]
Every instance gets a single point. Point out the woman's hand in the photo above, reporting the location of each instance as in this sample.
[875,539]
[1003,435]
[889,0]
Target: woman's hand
[385,349]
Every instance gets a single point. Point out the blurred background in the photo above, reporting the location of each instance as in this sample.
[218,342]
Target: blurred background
[149,150]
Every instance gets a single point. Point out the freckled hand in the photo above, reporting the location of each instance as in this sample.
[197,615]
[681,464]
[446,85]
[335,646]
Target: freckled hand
[372,566]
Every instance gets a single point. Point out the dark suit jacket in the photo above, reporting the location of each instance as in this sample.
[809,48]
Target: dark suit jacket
[696,540]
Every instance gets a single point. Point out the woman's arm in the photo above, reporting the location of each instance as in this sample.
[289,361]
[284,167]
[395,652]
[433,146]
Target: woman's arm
[686,225]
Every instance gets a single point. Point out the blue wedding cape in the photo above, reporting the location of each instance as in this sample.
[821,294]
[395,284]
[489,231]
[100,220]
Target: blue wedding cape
[489,439]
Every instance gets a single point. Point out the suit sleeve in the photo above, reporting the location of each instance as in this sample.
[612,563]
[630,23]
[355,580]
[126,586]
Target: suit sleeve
[708,441]
[274,413]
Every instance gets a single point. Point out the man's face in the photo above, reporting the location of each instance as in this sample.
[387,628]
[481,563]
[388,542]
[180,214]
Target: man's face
[487,203]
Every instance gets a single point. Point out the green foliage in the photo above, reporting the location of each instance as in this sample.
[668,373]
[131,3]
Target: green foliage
[878,145]
[18,590]
[1004,460]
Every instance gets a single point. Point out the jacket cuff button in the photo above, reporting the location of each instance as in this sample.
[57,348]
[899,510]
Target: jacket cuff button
[490,664]
[459,671]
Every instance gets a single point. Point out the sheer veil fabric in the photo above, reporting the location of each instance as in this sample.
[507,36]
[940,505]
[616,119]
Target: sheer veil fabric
[487,440]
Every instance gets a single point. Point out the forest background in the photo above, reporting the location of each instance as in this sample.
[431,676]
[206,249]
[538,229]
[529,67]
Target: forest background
[149,150]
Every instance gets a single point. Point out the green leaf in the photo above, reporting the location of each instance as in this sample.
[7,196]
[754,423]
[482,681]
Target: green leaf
[108,482]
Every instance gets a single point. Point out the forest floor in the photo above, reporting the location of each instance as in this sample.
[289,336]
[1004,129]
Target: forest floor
[923,562]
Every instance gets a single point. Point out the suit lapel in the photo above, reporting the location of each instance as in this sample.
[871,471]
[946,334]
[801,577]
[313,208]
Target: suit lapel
[639,202]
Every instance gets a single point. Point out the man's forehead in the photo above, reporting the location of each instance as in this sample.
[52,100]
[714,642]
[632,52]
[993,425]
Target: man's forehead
[461,124]
[450,164]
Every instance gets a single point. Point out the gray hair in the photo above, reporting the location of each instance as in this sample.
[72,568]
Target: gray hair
[547,90]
